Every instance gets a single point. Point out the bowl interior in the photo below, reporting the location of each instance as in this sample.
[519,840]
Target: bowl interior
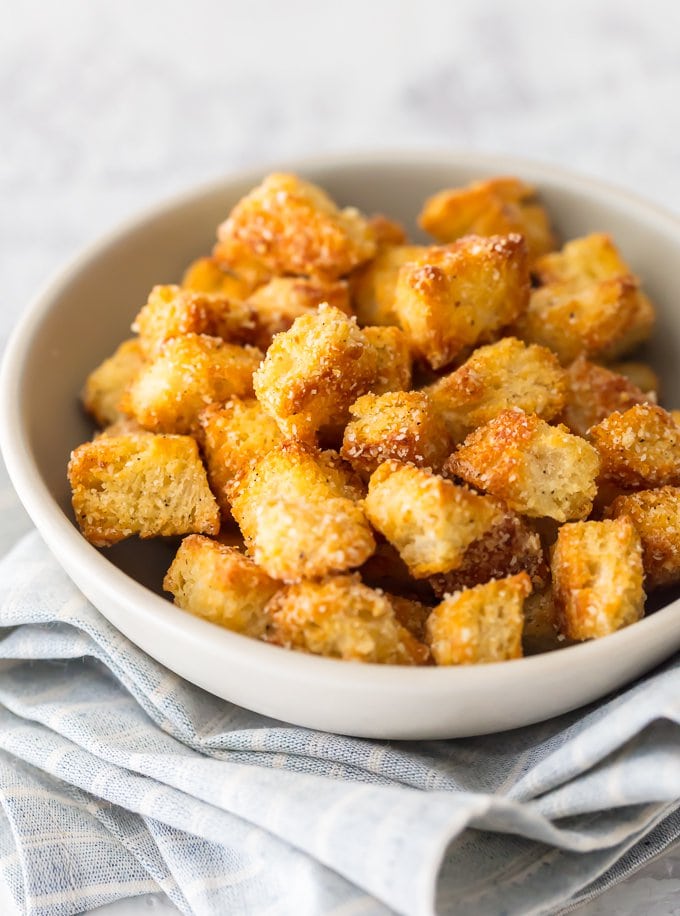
[93,305]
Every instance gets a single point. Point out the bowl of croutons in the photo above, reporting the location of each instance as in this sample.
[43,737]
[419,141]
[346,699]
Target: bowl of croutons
[381,445]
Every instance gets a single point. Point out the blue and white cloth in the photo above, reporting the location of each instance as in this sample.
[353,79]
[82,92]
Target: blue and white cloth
[117,778]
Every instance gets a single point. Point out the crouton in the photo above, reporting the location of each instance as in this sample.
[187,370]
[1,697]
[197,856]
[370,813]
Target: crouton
[581,261]
[293,227]
[340,617]
[480,624]
[594,393]
[510,546]
[314,372]
[639,448]
[497,206]
[147,485]
[656,516]
[401,425]
[504,374]
[374,285]
[206,276]
[172,312]
[453,297]
[188,374]
[278,303]
[221,585]
[296,510]
[675,414]
[597,577]
[386,231]
[541,624]
[393,360]
[641,375]
[429,520]
[235,437]
[536,469]
[106,385]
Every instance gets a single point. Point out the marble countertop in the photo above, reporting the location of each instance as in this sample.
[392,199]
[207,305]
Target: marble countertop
[106,107]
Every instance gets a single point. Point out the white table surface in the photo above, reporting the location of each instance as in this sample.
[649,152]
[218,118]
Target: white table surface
[106,107]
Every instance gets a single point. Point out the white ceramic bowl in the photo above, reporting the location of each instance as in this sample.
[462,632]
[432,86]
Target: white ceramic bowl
[80,317]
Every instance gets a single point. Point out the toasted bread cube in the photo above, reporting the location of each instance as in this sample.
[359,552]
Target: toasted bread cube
[429,520]
[392,355]
[234,438]
[293,227]
[147,485]
[501,375]
[582,261]
[594,393]
[206,276]
[541,624]
[656,516]
[221,585]
[453,297]
[536,469]
[509,547]
[386,231]
[187,375]
[106,385]
[480,624]
[297,512]
[314,372]
[597,577]
[497,206]
[641,375]
[173,312]
[401,425]
[278,303]
[675,414]
[374,284]
[639,448]
[340,617]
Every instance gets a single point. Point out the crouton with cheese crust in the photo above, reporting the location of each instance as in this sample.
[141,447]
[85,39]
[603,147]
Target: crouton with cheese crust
[639,448]
[496,206]
[456,296]
[536,469]
[641,375]
[221,585]
[400,424]
[656,516]
[187,375]
[151,486]
[429,520]
[233,438]
[374,285]
[292,227]
[583,260]
[480,624]
[173,312]
[386,231]
[283,299]
[340,617]
[205,275]
[106,385]
[393,359]
[594,392]
[597,577]
[504,374]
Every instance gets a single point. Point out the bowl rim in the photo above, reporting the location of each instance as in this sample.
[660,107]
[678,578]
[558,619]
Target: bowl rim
[61,536]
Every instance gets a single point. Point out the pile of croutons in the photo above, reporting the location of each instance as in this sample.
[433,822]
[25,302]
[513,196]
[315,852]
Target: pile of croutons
[388,452]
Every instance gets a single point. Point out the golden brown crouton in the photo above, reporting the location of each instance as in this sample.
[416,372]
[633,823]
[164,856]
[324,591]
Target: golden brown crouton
[293,227]
[297,512]
[106,385]
[206,276]
[480,624]
[501,375]
[314,372]
[497,206]
[340,617]
[234,437]
[188,374]
[429,520]
[220,584]
[278,303]
[147,485]
[535,468]
[641,375]
[594,393]
[675,414]
[639,448]
[541,624]
[509,547]
[172,312]
[583,260]
[456,296]
[656,516]
[597,577]
[393,359]
[374,284]
[401,425]
[386,231]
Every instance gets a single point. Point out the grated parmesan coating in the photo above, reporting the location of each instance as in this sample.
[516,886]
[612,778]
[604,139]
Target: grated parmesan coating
[656,516]
[106,385]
